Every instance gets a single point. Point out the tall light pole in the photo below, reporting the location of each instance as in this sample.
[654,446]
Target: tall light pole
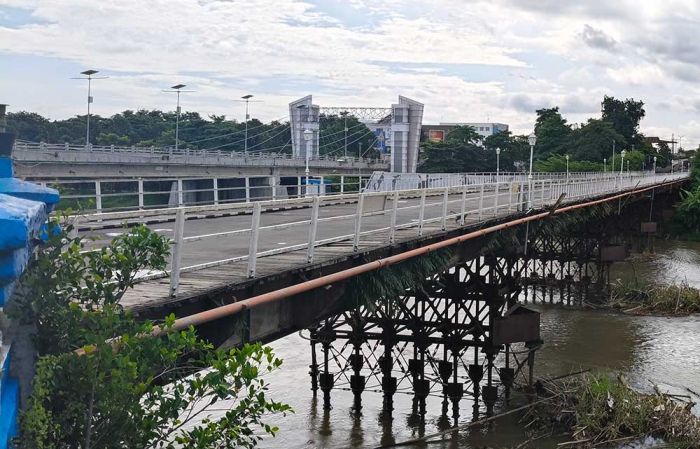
[605,165]
[622,161]
[89,77]
[498,163]
[247,117]
[177,89]
[308,135]
[345,145]
[532,140]
[654,167]
[567,168]
[628,166]
[612,166]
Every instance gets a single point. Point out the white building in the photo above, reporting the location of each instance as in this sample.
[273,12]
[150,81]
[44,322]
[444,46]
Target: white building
[483,129]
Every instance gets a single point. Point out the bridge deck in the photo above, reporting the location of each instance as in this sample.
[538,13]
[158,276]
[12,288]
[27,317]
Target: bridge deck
[283,235]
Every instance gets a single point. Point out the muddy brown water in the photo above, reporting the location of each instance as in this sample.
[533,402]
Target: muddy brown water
[648,350]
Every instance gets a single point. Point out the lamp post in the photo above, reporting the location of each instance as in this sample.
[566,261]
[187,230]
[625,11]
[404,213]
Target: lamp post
[308,135]
[532,140]
[89,77]
[654,167]
[567,168]
[622,164]
[498,163]
[628,167]
[247,117]
[177,89]
[605,165]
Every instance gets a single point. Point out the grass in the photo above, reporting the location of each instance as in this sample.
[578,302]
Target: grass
[673,300]
[598,410]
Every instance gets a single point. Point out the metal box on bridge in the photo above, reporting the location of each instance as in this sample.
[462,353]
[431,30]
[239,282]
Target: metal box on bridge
[616,253]
[517,325]
[649,227]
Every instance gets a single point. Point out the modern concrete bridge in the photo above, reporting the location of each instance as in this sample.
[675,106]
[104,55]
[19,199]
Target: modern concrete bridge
[416,289]
[108,177]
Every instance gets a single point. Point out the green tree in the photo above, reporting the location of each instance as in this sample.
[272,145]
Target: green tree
[552,133]
[360,139]
[556,163]
[515,150]
[459,152]
[129,389]
[624,116]
[593,141]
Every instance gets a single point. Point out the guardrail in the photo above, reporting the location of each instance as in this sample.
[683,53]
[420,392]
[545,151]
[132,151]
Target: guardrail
[188,152]
[380,214]
[112,195]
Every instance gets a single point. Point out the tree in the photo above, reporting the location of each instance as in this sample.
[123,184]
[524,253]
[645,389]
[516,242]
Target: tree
[515,150]
[552,131]
[593,141]
[556,163]
[129,389]
[459,152]
[624,116]
[361,140]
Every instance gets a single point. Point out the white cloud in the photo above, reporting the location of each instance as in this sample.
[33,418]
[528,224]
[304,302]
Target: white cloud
[465,59]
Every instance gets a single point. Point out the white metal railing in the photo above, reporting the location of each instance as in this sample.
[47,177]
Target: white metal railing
[166,151]
[111,195]
[377,215]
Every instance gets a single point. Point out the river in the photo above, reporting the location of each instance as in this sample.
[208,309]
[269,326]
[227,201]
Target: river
[659,350]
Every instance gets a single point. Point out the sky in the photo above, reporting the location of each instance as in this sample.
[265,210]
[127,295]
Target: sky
[466,60]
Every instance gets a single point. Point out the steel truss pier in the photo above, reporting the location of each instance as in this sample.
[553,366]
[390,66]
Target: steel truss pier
[441,339]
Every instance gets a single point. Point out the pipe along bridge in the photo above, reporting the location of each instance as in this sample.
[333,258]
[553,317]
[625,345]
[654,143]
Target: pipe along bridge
[418,291]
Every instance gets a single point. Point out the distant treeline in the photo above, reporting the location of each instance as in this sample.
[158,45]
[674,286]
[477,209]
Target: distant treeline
[157,128]
[589,146]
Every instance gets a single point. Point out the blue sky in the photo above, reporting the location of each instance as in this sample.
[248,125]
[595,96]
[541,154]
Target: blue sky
[467,60]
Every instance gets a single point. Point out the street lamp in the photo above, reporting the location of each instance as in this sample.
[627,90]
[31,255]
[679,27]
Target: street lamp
[605,165]
[654,167]
[567,168]
[532,140]
[247,117]
[89,77]
[498,163]
[622,161]
[628,166]
[177,89]
[308,135]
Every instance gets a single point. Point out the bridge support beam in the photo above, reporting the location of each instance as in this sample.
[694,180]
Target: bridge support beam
[441,338]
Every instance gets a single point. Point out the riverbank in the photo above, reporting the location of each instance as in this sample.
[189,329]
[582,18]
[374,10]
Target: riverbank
[666,300]
[600,410]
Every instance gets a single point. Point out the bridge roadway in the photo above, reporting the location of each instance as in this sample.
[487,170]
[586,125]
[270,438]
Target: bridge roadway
[215,253]
[43,162]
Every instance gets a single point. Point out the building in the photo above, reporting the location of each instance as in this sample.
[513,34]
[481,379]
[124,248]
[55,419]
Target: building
[398,129]
[438,133]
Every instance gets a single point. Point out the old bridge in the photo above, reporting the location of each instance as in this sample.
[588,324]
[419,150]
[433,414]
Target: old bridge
[418,288]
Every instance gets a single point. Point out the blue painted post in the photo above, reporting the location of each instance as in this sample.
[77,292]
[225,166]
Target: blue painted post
[24,208]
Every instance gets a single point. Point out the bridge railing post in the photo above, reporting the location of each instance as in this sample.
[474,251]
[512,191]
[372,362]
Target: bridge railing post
[254,235]
[176,254]
[98,196]
[313,228]
[358,221]
[140,187]
[481,201]
[463,209]
[495,199]
[445,195]
[510,196]
[421,213]
[394,209]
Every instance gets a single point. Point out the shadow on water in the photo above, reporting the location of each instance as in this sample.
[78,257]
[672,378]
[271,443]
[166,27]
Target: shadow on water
[648,350]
